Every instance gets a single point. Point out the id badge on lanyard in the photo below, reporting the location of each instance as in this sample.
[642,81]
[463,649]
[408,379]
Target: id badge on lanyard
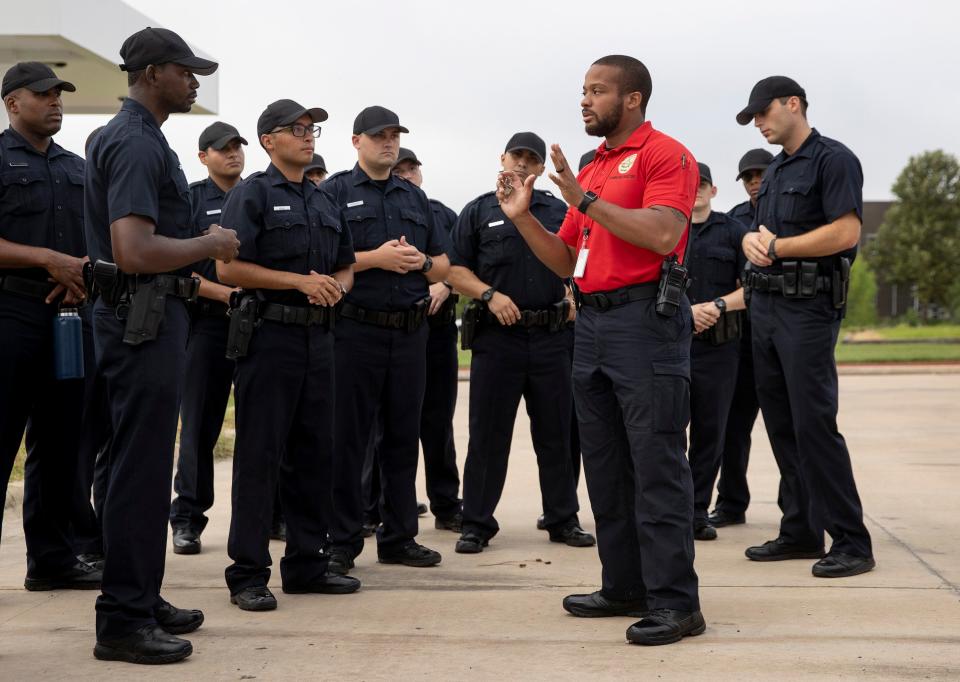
[581,265]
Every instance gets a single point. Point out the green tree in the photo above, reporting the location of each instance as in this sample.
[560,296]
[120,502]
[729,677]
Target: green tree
[862,298]
[919,240]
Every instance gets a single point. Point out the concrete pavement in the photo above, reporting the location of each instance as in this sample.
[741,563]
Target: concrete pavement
[498,614]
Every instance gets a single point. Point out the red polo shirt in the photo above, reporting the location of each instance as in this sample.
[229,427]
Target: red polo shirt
[649,169]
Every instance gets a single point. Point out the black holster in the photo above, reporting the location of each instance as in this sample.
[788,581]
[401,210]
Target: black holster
[746,280]
[726,329]
[840,282]
[674,279]
[558,315]
[244,314]
[468,324]
[799,279]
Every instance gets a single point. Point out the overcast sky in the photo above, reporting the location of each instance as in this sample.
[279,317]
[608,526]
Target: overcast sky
[881,77]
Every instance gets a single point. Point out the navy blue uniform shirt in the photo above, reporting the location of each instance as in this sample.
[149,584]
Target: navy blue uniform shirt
[812,187]
[288,226]
[745,213]
[131,170]
[716,258]
[41,199]
[486,242]
[375,213]
[207,198]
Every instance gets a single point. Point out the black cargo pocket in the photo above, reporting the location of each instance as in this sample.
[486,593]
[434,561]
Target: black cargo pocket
[364,227]
[796,204]
[24,192]
[285,236]
[671,395]
[419,227]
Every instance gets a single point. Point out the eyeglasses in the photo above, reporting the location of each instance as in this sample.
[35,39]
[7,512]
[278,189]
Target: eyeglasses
[300,130]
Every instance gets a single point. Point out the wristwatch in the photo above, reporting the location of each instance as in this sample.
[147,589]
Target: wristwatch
[427,264]
[772,249]
[588,198]
[487,295]
[721,305]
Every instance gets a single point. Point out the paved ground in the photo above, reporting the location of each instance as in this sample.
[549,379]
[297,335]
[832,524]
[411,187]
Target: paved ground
[498,615]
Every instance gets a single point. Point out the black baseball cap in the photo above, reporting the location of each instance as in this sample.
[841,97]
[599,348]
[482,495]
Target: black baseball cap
[765,92]
[373,119]
[755,159]
[34,76]
[705,175]
[587,159]
[408,155]
[161,46]
[218,135]
[317,163]
[283,112]
[530,142]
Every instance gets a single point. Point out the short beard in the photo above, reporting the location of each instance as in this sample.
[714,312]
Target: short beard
[604,126]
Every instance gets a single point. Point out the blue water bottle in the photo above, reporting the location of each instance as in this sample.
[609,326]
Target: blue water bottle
[67,345]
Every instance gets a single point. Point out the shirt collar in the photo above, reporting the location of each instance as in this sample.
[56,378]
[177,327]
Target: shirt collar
[130,104]
[636,140]
[805,151]
[19,141]
[213,188]
[712,219]
[360,177]
[278,178]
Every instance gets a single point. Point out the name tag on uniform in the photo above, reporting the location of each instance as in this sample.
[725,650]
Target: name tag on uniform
[281,208]
[16,164]
[581,263]
[495,223]
[355,203]
[215,211]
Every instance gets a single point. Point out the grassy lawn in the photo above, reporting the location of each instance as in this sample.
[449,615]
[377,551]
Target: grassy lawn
[903,332]
[898,352]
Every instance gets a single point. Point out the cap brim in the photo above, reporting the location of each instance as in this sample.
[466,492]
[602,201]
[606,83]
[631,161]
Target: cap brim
[316,114]
[529,149]
[314,166]
[222,142]
[376,129]
[47,83]
[198,65]
[751,168]
[409,158]
[745,116]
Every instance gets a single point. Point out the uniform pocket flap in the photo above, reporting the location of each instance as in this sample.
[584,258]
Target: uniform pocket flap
[285,220]
[20,177]
[360,213]
[330,221]
[413,216]
[679,367]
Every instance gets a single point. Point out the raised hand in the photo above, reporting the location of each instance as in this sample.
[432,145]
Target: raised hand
[564,178]
[514,193]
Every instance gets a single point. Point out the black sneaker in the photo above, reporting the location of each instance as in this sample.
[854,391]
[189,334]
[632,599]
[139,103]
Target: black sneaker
[186,541]
[422,508]
[410,554]
[454,523]
[369,528]
[330,583]
[573,535]
[779,550]
[541,523]
[840,565]
[666,626]
[340,562]
[279,531]
[150,644]
[595,605]
[704,531]
[470,543]
[93,559]
[80,576]
[258,598]
[719,518]
[177,621]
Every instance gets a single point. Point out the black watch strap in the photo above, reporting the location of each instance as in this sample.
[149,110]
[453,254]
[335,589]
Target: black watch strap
[588,198]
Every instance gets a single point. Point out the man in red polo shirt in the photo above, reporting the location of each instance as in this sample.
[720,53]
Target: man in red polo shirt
[629,213]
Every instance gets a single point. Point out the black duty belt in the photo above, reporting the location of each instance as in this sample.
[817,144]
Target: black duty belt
[294,314]
[604,300]
[206,307]
[528,318]
[781,284]
[31,288]
[408,320]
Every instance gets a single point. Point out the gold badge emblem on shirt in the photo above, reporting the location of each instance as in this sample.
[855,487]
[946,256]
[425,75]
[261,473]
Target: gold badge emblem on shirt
[627,164]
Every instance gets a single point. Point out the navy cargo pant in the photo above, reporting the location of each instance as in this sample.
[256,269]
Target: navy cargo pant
[793,357]
[507,364]
[143,385]
[712,383]
[49,411]
[379,371]
[631,383]
[285,412]
[206,391]
[93,470]
[733,493]
[436,431]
